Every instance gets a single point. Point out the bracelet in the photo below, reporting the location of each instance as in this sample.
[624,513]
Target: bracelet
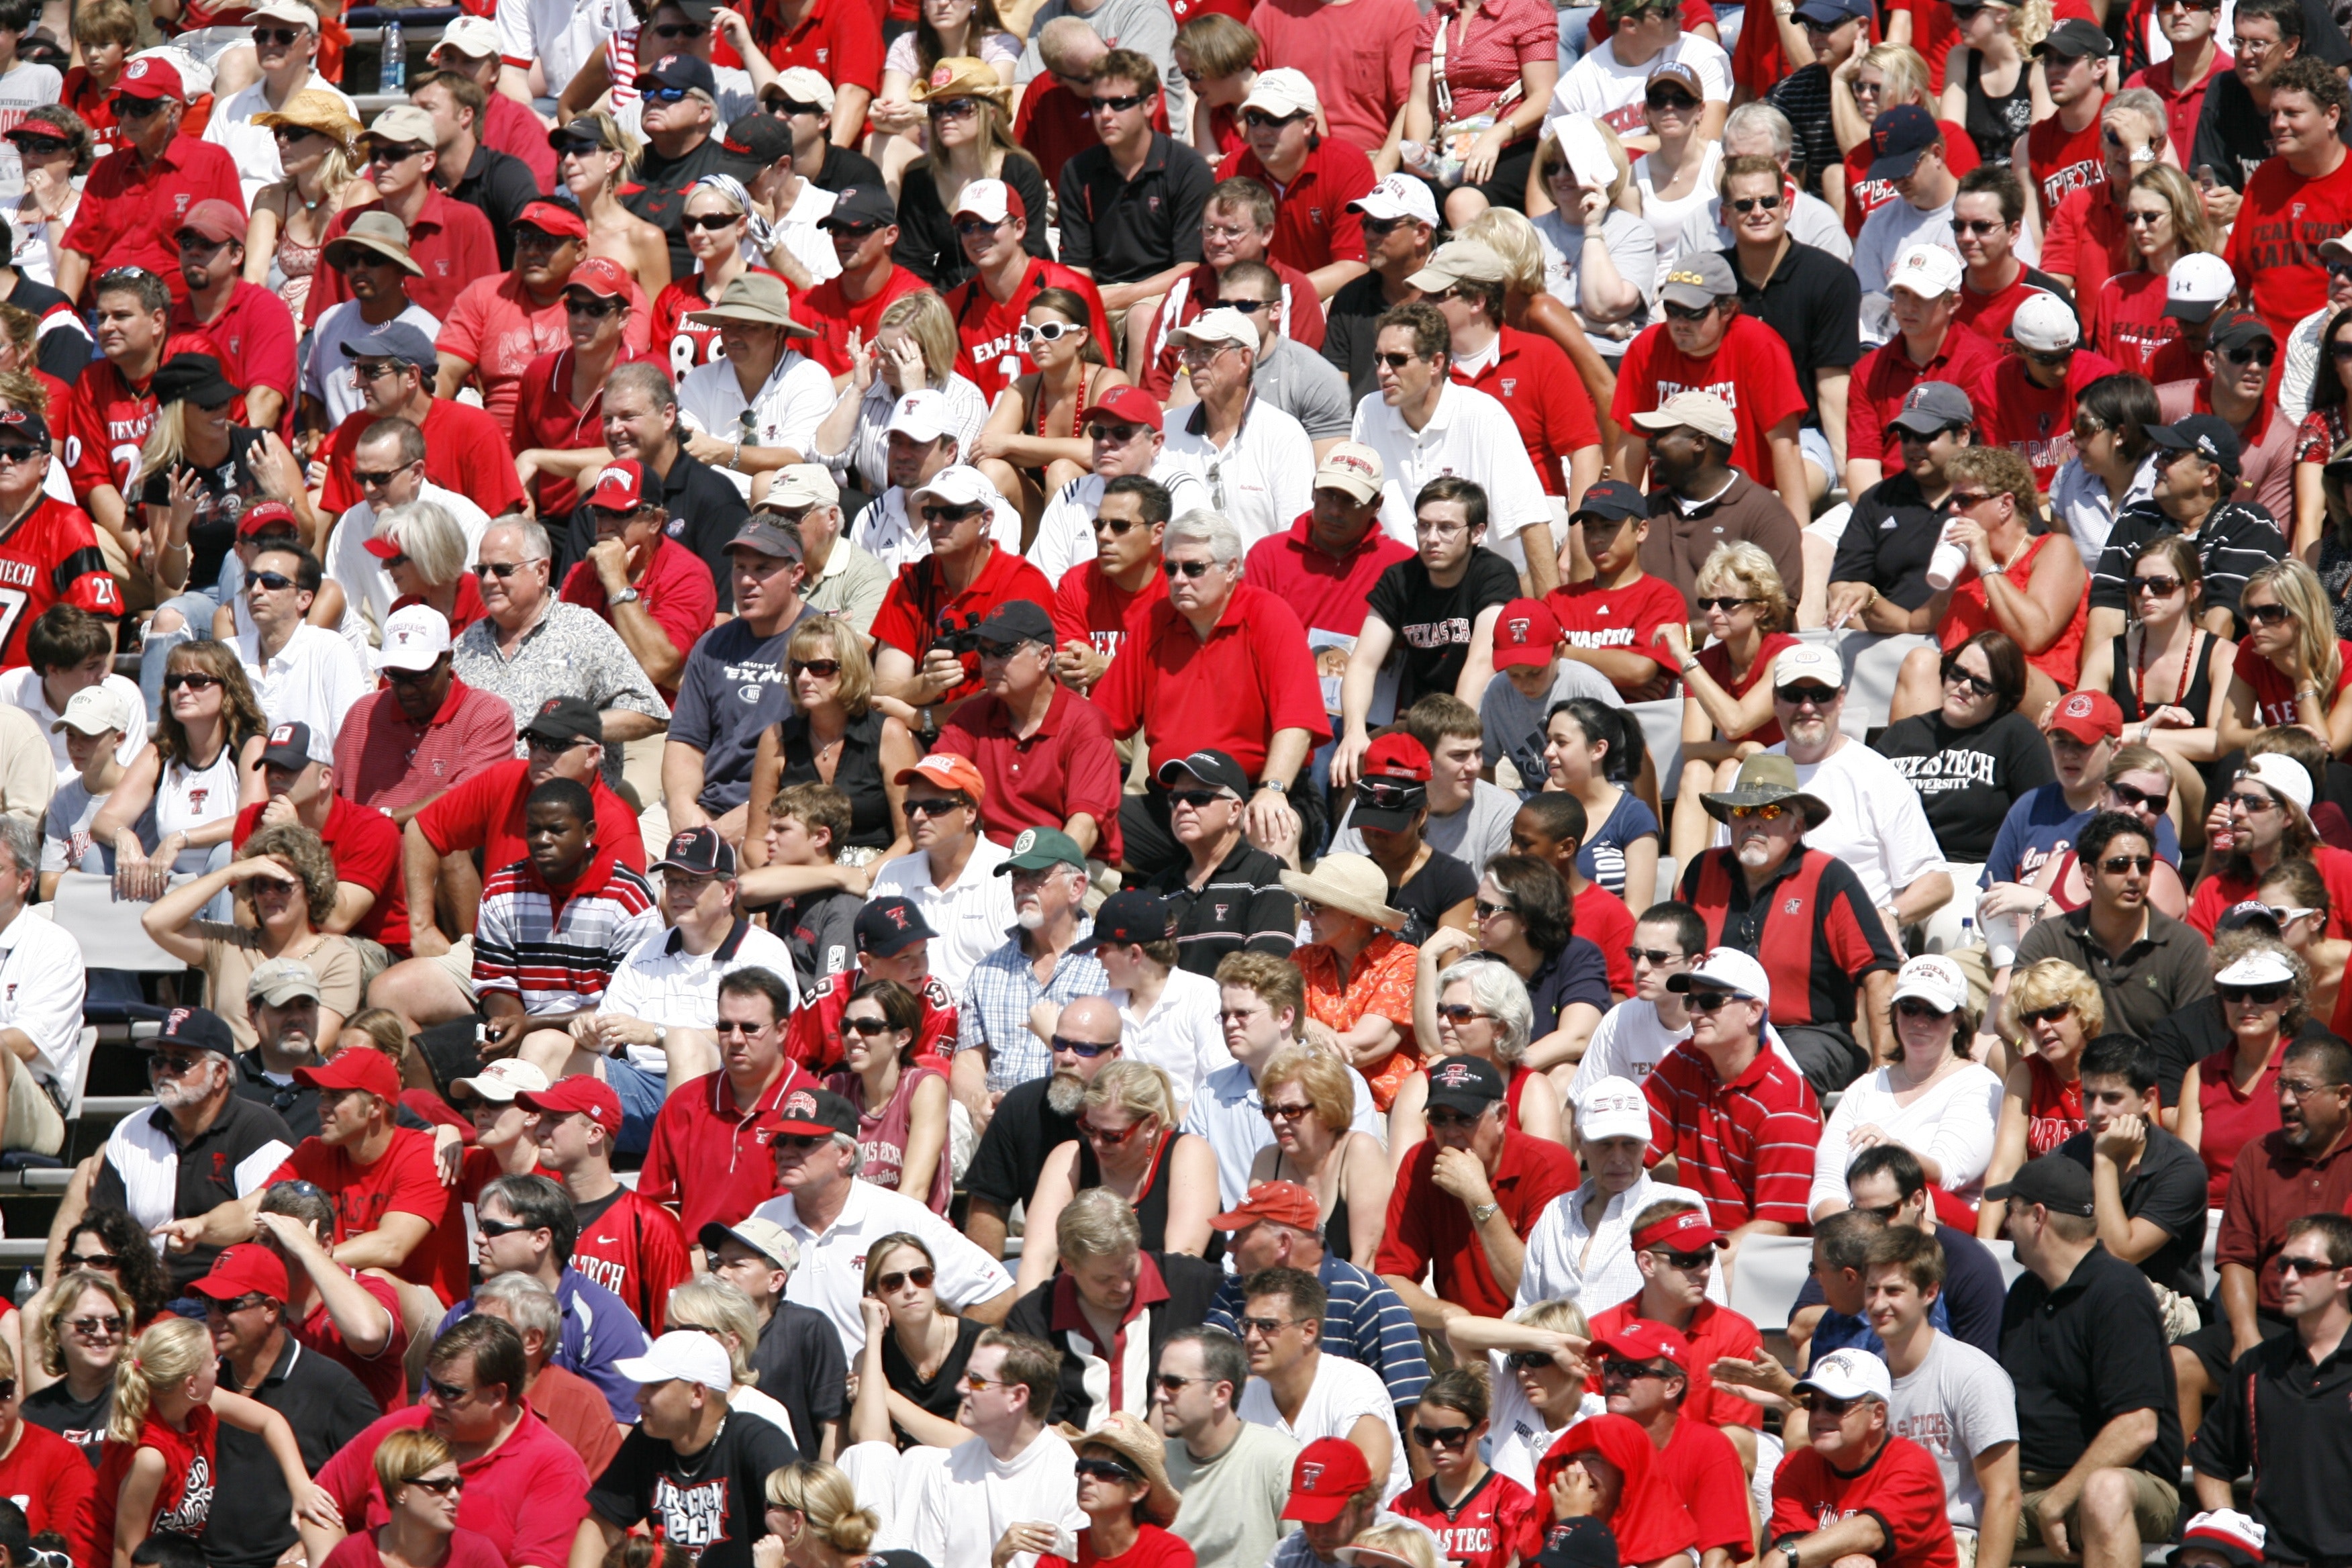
[1688,664]
[2307,690]
[736,462]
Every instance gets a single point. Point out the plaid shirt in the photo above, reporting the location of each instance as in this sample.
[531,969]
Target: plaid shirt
[558,956]
[996,1002]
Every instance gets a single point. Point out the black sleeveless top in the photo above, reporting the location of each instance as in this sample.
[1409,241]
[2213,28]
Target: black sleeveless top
[1151,1207]
[858,775]
[940,1394]
[1994,124]
[1336,1233]
[2198,700]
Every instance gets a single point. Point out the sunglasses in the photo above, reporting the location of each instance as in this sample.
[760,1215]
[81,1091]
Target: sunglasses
[1274,1112]
[682,29]
[1461,1013]
[1105,1137]
[1265,1328]
[1118,435]
[1743,205]
[1627,1371]
[936,805]
[1915,1007]
[442,1486]
[1834,1409]
[1442,1437]
[500,1227]
[2138,798]
[955,109]
[276,582]
[40,146]
[1118,105]
[2260,996]
[1481,909]
[104,1327]
[2050,359]
[868,1028]
[1976,227]
[1104,1470]
[2253,353]
[1680,102]
[193,683]
[2292,1265]
[95,1260]
[1198,799]
[2049,1015]
[587,305]
[2135,218]
[1657,957]
[1450,1119]
[1707,1001]
[1688,1262]
[823,668]
[370,478]
[711,223]
[1688,312]
[135,108]
[1044,332]
[391,153]
[664,94]
[936,513]
[2157,587]
[1956,676]
[1529,1361]
[501,570]
[2270,614]
[919,1277]
[1087,1048]
[2116,864]
[1395,361]
[1259,120]
[1196,569]
[1962,501]
[1722,602]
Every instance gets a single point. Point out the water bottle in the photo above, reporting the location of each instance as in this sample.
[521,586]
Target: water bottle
[1945,566]
[393,77]
[1968,932]
[27,1282]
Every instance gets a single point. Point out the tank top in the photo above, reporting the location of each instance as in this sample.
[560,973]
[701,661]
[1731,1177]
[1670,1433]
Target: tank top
[184,1501]
[189,798]
[1336,1233]
[857,774]
[2127,684]
[882,1134]
[2233,1120]
[1150,1204]
[298,264]
[2054,1110]
[1665,218]
[1969,614]
[1994,124]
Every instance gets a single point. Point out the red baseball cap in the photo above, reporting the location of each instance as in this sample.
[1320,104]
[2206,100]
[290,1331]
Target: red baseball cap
[1127,405]
[945,770]
[1643,1340]
[579,1092]
[619,486]
[2089,717]
[261,514]
[1396,755]
[1285,1202]
[1526,633]
[1327,1475]
[246,1270]
[553,217]
[151,76]
[1685,1230]
[361,1066]
[599,276]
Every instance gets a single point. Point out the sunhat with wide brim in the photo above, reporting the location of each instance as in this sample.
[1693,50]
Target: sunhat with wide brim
[1766,779]
[754,297]
[960,76]
[1143,1451]
[312,110]
[1349,882]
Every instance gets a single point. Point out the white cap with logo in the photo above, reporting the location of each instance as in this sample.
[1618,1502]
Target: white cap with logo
[413,638]
[686,1356]
[1612,1108]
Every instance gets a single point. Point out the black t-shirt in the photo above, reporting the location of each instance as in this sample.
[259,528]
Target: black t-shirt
[2167,1190]
[942,1394]
[327,1407]
[1442,882]
[2083,1354]
[1889,539]
[228,491]
[1968,779]
[1012,1153]
[1434,625]
[1350,325]
[711,1504]
[499,185]
[800,1364]
[79,1422]
[1813,302]
[843,168]
[207,1170]
[658,194]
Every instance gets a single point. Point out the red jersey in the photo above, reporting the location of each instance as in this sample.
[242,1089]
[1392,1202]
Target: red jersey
[463,451]
[635,1250]
[485,813]
[49,1479]
[684,343]
[2063,161]
[405,1180]
[184,1498]
[1749,370]
[107,419]
[547,418]
[94,102]
[1887,376]
[382,1374]
[812,1039]
[991,358]
[2125,321]
[916,611]
[1622,617]
[1602,920]
[1865,195]
[1899,1487]
[1313,225]
[49,555]
[2053,1107]
[2274,244]
[835,314]
[1473,1533]
[132,208]
[2037,423]
[1088,607]
[1531,376]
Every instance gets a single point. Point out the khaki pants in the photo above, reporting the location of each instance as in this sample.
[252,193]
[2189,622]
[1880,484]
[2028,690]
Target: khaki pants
[2155,1503]
[34,1121]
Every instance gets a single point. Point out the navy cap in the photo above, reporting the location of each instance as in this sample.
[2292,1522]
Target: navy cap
[200,1027]
[1827,14]
[1128,917]
[1612,500]
[289,747]
[690,72]
[860,207]
[26,426]
[394,339]
[887,925]
[698,852]
[1897,138]
[2206,435]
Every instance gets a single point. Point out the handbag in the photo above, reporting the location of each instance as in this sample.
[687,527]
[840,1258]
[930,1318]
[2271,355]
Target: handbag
[1450,148]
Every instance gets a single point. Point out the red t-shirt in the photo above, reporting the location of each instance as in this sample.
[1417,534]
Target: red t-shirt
[183,1500]
[41,559]
[495,327]
[255,333]
[546,418]
[405,1180]
[1360,85]
[635,1250]
[2215,894]
[1751,370]
[1933,34]
[2126,321]
[1326,593]
[1312,224]
[450,239]
[131,209]
[2063,161]
[382,1375]
[1622,617]
[463,451]
[710,1161]
[677,591]
[1602,920]
[2053,1107]
[1988,315]
[2037,423]
[1712,1333]
[1900,1487]
[991,358]
[485,813]
[1253,676]
[916,611]
[1887,376]
[2274,702]
[49,1479]
[1088,607]
[1531,377]
[832,313]
[1475,1532]
[684,345]
[1865,195]
[85,96]
[1700,1462]
[526,1497]
[2274,244]
[1153,1548]
[366,846]
[107,419]
[812,1039]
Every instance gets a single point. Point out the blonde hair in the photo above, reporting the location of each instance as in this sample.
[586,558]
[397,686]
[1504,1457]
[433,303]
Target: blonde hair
[610,139]
[406,1454]
[857,689]
[168,1354]
[1323,1077]
[2191,231]
[923,316]
[428,536]
[2045,985]
[718,1308]
[821,1494]
[1558,1316]
[1410,1542]
[2298,586]
[1512,237]
[1137,1088]
[167,439]
[65,1299]
[996,142]
[1553,155]
[1905,70]
[1746,567]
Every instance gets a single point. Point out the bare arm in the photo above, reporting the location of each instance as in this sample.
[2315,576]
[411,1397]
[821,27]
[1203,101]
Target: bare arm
[681,780]
[2004,1498]
[2008,1150]
[927,1136]
[1374,643]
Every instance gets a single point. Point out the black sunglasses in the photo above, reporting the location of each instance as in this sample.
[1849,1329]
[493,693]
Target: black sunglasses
[1087,1048]
[2260,995]
[1956,676]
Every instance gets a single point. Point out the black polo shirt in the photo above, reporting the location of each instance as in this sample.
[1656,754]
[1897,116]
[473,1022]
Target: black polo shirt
[705,511]
[1242,905]
[798,1362]
[2283,1417]
[250,1525]
[501,185]
[1813,302]
[659,194]
[1120,230]
[843,168]
[1348,328]
[1012,1153]
[1889,537]
[2083,1354]
[2166,1189]
[206,1167]
[295,1104]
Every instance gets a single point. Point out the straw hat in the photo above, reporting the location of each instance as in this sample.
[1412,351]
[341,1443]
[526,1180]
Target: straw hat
[1143,1451]
[1349,882]
[960,76]
[313,110]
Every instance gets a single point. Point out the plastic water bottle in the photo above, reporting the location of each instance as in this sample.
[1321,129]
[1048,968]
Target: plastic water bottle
[393,75]
[1968,932]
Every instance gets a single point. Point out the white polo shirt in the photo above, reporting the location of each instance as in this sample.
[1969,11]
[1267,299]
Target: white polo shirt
[41,986]
[793,400]
[1228,1111]
[1181,1036]
[661,983]
[887,532]
[1469,436]
[1343,1391]
[314,679]
[1263,480]
[972,914]
[831,1278]
[1593,1265]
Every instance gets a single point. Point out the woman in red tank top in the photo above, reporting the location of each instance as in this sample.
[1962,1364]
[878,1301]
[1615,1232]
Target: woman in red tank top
[2292,668]
[2055,1009]
[902,1109]
[160,1468]
[2231,1098]
[1727,689]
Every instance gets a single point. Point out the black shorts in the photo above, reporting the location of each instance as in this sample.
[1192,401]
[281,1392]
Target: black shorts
[2210,1345]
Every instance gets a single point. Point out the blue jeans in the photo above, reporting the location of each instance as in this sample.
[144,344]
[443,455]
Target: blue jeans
[196,608]
[641,1094]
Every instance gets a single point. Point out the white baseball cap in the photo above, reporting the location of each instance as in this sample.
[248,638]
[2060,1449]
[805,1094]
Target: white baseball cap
[1842,1375]
[2284,777]
[1701,411]
[1612,1108]
[920,415]
[1221,325]
[413,638]
[292,12]
[1398,195]
[475,35]
[802,85]
[1734,970]
[1935,980]
[1929,272]
[990,199]
[958,484]
[686,1356]
[2198,284]
[505,1078]
[2044,323]
[1807,662]
[93,710]
[1282,92]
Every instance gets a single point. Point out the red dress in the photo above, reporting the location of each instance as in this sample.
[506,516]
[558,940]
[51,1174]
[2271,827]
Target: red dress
[2055,1109]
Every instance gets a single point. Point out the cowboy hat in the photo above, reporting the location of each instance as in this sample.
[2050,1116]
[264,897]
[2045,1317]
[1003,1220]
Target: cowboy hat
[1143,1451]
[1349,882]
[1766,779]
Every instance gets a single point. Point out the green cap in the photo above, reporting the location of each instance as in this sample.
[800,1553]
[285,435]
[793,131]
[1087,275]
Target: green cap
[1039,848]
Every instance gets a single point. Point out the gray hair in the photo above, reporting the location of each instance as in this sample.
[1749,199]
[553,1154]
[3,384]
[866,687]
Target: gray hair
[529,1304]
[1499,994]
[535,544]
[428,536]
[720,1308]
[23,841]
[1201,526]
[2140,101]
[648,376]
[1098,1223]
[1751,117]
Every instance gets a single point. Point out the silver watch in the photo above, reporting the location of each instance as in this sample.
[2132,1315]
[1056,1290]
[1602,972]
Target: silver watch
[627,596]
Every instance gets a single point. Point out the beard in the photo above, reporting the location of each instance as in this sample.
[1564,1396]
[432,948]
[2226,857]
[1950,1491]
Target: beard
[1064,1093]
[1029,918]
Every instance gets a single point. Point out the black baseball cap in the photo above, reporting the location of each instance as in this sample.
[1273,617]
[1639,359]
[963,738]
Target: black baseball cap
[698,852]
[1897,138]
[691,73]
[1467,1084]
[758,140]
[289,747]
[2206,435]
[567,719]
[1126,917]
[1017,620]
[1212,768]
[199,1028]
[887,925]
[1612,500]
[813,1113]
[2053,1181]
[860,206]
[2237,329]
[2077,39]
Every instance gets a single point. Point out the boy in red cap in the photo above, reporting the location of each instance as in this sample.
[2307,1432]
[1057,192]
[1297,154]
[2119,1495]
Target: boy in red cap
[633,1247]
[1334,1496]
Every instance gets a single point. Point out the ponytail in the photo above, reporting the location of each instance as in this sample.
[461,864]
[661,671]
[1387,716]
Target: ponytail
[166,1355]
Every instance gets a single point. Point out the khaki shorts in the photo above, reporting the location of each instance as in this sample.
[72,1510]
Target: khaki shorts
[1964,1547]
[33,1120]
[457,963]
[2156,1504]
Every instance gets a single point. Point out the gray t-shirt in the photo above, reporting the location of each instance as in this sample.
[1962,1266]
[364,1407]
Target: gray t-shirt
[1232,1512]
[1955,1406]
[1303,385]
[1474,834]
[65,831]
[732,689]
[1515,726]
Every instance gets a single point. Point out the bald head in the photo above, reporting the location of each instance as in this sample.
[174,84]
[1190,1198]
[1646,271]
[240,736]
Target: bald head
[1070,47]
[1090,1020]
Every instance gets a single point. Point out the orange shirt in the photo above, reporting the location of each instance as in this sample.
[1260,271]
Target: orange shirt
[1381,981]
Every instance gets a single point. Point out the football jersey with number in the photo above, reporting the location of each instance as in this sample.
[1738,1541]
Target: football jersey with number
[50,556]
[683,345]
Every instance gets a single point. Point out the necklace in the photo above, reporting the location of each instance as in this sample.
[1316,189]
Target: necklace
[2140,672]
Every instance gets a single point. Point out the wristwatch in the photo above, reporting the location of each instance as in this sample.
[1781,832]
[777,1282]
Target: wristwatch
[1276,786]
[627,596]
[1483,1213]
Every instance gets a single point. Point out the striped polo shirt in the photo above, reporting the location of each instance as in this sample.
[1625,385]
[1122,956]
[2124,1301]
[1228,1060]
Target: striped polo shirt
[557,950]
[1748,1145]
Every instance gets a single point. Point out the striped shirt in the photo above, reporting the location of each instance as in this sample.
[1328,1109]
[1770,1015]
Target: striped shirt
[1363,1320]
[558,958]
[1748,1145]
[994,1015]
[1241,905]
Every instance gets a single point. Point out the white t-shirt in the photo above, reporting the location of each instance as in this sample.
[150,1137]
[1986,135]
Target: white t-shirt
[797,397]
[661,983]
[953,1506]
[1951,1123]
[1180,1036]
[1600,88]
[326,373]
[1667,218]
[1878,829]
[255,147]
[1470,435]
[188,798]
[970,914]
[831,1278]
[21,687]
[1520,1438]
[1955,1406]
[65,827]
[41,985]
[1343,1392]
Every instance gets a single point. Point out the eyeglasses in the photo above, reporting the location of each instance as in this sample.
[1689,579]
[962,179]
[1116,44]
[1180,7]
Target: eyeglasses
[1624,1369]
[823,668]
[1103,1137]
[1805,696]
[192,681]
[2049,1015]
[1743,205]
[1722,602]
[1194,570]
[1442,1437]
[1089,1049]
[1046,331]
[935,805]
[1919,1007]
[2134,796]
[2302,1090]
[920,1277]
[1265,1327]
[1274,1112]
[2252,354]
[105,1327]
[2157,587]
[1976,225]
[711,223]
[2259,996]
[1118,105]
[1956,676]
[2291,1264]
[1707,1001]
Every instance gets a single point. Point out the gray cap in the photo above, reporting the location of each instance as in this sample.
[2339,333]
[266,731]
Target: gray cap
[281,980]
[1930,405]
[394,339]
[1700,281]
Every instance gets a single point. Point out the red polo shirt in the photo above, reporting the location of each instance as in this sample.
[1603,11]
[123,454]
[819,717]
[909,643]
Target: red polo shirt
[918,608]
[677,591]
[2037,423]
[2181,106]
[1700,1462]
[255,333]
[835,315]
[1713,1332]
[2274,244]
[510,128]
[991,358]
[841,40]
[131,209]
[709,1160]
[1751,370]
[450,240]
[1088,607]
[1603,919]
[485,813]
[1252,677]
[1746,1146]
[107,419]
[526,1497]
[463,451]
[1886,374]
[1430,1229]
[1326,593]
[1312,225]
[1533,378]
[387,763]
[547,418]
[1041,780]
[365,848]
[498,329]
